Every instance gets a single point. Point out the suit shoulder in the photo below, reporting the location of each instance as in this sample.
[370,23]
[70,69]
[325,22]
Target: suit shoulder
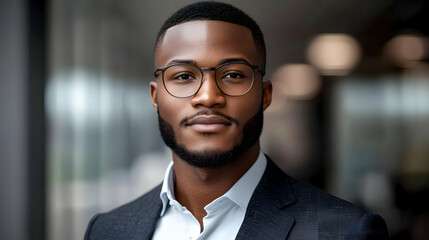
[131,219]
[310,194]
[142,203]
[334,216]
[301,194]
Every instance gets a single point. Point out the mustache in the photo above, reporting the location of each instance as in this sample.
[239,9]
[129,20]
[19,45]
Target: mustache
[208,112]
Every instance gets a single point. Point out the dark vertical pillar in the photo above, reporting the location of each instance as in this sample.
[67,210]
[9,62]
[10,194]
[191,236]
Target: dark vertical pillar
[36,123]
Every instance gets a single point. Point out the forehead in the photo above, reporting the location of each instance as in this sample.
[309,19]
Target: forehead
[206,42]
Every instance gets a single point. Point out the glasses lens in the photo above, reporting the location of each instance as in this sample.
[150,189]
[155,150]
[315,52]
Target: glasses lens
[182,80]
[235,79]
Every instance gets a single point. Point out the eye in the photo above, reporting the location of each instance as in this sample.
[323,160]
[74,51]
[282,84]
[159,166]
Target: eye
[184,76]
[233,75]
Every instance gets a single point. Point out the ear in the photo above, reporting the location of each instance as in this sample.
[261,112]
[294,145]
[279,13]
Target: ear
[267,88]
[154,95]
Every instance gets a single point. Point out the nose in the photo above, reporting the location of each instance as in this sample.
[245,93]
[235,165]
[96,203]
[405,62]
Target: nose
[209,95]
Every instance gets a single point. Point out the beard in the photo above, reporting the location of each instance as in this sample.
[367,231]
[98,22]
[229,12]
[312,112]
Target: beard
[213,158]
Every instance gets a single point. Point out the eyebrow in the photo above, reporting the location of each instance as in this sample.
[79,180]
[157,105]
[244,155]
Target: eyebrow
[233,60]
[194,63]
[182,61]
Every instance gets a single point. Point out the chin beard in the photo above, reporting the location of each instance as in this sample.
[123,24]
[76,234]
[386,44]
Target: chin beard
[213,158]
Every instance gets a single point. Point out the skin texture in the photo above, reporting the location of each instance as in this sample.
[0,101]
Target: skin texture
[207,43]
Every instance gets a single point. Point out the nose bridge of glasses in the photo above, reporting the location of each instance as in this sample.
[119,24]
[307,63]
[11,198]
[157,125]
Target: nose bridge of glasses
[208,73]
[211,70]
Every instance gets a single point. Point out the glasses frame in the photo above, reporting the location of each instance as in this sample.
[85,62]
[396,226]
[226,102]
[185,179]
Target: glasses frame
[253,67]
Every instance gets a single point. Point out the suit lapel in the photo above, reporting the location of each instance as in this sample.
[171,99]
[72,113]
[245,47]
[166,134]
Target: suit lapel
[265,216]
[147,216]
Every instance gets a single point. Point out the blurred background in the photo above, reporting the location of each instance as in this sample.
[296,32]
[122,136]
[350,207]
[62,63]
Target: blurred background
[78,134]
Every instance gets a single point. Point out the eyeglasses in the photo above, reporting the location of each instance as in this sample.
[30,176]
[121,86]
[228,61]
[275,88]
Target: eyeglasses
[184,80]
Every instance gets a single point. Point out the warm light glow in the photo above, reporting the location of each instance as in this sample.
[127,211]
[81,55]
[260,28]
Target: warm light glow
[334,54]
[297,81]
[405,50]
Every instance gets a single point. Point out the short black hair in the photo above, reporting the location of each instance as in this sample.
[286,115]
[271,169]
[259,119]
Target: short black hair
[209,10]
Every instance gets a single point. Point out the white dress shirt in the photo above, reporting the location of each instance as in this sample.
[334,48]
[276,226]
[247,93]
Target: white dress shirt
[224,215]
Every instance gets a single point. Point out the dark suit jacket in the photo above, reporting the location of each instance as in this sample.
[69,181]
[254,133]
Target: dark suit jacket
[280,208]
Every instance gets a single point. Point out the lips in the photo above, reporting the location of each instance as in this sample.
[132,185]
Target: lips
[208,124]
[209,120]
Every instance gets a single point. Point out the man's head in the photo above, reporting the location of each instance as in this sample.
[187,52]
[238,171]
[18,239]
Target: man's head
[215,48]
[215,11]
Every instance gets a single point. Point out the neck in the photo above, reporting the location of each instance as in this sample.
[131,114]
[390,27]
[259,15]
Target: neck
[197,187]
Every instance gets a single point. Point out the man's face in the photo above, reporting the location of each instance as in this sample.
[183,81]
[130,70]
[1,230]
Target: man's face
[209,121]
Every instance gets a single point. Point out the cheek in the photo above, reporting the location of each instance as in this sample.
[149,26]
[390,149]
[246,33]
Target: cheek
[168,108]
[244,108]
[249,104]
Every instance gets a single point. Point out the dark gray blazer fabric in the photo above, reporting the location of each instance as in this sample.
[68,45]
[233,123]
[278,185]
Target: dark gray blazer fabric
[280,208]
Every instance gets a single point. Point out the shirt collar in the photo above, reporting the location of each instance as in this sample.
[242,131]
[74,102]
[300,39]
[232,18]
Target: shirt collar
[243,189]
[240,193]
[167,191]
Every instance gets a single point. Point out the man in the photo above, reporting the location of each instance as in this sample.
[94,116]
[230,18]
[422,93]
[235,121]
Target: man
[210,97]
